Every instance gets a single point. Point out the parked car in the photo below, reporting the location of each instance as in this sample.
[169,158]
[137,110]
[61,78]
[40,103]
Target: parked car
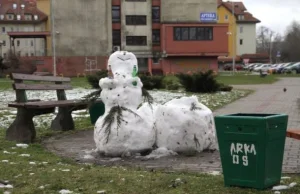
[238,67]
[275,67]
[263,67]
[254,66]
[280,69]
[295,68]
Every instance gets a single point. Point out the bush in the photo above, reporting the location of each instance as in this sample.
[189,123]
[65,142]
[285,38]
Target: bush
[151,82]
[94,79]
[171,83]
[200,82]
[225,88]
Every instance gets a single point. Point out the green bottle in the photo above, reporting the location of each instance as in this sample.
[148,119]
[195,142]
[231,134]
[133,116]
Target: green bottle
[134,72]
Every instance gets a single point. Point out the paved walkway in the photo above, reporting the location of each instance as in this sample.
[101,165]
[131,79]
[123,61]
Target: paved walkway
[267,99]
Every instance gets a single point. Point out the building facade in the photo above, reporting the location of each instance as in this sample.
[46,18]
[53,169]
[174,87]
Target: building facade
[242,29]
[167,36]
[17,17]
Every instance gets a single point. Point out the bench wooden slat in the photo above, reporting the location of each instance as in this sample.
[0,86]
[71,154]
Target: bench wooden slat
[48,104]
[293,133]
[22,86]
[28,77]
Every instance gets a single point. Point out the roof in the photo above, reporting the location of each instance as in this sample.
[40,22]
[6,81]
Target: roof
[30,7]
[256,56]
[239,9]
[28,34]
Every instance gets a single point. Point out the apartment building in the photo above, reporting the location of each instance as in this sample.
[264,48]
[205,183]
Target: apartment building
[242,29]
[20,24]
[167,36]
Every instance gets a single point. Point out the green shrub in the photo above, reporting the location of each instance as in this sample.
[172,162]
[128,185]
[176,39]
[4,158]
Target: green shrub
[151,82]
[94,79]
[225,88]
[200,82]
[171,83]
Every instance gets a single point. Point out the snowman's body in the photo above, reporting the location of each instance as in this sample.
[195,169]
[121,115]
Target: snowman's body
[136,132]
[173,125]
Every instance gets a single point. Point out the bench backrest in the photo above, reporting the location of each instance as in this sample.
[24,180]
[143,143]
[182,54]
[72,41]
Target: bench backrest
[60,84]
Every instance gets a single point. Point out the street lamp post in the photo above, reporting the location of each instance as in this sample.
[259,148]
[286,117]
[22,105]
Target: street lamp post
[271,47]
[233,40]
[53,38]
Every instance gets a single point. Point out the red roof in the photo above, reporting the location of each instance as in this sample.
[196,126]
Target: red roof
[239,9]
[30,7]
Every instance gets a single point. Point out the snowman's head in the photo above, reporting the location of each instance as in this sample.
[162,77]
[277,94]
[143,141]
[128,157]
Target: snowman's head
[122,62]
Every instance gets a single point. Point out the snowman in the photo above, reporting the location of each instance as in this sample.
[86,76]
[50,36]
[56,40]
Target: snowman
[124,129]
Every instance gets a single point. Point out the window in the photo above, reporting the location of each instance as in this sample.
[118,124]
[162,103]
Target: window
[226,17]
[156,37]
[155,60]
[18,43]
[31,42]
[32,54]
[4,43]
[116,14]
[136,0]
[10,16]
[19,53]
[136,40]
[28,17]
[5,55]
[136,20]
[193,33]
[3,29]
[116,37]
[241,29]
[11,29]
[241,17]
[241,41]
[155,14]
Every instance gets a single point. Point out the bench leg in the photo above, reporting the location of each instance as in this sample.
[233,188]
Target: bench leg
[22,129]
[63,121]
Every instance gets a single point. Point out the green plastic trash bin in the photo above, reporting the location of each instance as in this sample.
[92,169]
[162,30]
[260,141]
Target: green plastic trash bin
[251,148]
[96,110]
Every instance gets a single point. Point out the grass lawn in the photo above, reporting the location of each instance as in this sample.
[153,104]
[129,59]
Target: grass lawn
[39,171]
[242,79]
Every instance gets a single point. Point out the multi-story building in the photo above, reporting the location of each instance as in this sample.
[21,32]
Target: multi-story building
[242,29]
[165,35]
[20,25]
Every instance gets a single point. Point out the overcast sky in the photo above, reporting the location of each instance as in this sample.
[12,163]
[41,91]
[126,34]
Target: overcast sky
[275,14]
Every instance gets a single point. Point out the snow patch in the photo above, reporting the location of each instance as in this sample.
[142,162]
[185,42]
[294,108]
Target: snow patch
[280,187]
[24,155]
[65,191]
[22,145]
[159,153]
[6,186]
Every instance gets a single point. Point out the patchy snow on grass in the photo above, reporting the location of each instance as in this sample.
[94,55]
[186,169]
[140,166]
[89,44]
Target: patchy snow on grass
[8,114]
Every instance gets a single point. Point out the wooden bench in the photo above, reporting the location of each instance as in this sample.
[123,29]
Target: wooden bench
[22,129]
[293,133]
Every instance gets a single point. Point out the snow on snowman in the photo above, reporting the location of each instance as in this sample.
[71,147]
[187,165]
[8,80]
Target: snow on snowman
[130,126]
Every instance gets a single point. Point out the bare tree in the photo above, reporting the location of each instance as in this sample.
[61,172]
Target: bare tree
[291,44]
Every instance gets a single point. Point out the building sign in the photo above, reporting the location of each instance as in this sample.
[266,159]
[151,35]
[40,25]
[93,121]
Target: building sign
[208,17]
[278,54]
[246,61]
